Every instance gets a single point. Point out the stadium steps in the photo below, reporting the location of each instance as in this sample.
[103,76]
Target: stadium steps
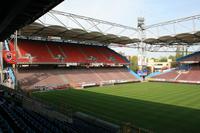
[123,74]
[97,75]
[50,52]
[61,50]
[84,55]
[178,76]
[106,54]
[100,52]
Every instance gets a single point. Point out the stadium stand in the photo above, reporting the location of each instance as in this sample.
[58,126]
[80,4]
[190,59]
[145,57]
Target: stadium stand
[16,117]
[44,65]
[55,65]
[168,75]
[35,78]
[190,75]
[187,72]
[41,52]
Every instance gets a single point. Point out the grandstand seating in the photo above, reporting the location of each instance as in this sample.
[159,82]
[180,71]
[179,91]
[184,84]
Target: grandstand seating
[187,72]
[30,78]
[168,75]
[14,118]
[191,75]
[4,126]
[17,118]
[40,52]
[179,75]
[45,52]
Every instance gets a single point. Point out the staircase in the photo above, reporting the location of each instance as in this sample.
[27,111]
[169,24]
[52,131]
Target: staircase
[50,52]
[178,76]
[61,50]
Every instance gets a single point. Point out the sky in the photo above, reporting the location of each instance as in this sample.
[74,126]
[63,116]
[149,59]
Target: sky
[126,12]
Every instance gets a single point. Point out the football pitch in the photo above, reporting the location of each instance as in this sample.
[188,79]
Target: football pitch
[160,107]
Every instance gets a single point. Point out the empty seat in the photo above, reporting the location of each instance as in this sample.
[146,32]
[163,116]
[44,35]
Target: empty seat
[40,52]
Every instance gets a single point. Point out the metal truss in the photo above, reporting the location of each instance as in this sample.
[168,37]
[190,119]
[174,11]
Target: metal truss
[78,42]
[159,48]
[189,24]
[69,21]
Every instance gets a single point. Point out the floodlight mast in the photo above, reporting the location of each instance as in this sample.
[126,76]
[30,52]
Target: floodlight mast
[142,37]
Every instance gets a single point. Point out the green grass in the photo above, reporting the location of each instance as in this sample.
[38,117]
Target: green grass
[161,107]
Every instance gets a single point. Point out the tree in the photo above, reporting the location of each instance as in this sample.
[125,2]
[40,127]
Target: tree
[174,63]
[134,63]
[172,57]
[163,59]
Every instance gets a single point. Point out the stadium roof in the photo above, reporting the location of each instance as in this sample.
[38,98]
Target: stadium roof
[185,38]
[16,14]
[37,29]
[67,26]
[191,58]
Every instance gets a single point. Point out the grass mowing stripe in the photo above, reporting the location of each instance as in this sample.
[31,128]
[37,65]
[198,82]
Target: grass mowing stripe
[147,105]
[183,99]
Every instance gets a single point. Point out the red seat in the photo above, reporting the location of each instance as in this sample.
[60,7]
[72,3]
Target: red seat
[47,52]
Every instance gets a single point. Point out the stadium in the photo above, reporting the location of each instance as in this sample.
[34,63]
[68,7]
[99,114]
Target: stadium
[56,77]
